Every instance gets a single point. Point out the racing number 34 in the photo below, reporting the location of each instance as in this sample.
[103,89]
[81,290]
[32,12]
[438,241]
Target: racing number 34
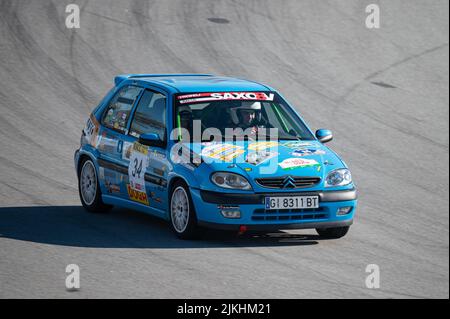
[137,167]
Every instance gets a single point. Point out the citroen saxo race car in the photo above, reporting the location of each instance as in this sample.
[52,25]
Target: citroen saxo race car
[208,151]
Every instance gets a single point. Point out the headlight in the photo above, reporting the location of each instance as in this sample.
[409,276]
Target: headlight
[230,180]
[339,177]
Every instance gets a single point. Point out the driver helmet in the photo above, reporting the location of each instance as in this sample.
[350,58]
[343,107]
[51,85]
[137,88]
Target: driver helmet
[237,113]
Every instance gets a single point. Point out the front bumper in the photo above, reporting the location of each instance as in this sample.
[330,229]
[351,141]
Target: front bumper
[230,198]
[273,227]
[208,207]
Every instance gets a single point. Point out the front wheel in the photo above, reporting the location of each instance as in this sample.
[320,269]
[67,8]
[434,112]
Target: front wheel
[333,233]
[182,213]
[89,189]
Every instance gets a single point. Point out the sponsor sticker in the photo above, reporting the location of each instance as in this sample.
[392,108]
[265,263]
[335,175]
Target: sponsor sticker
[156,199]
[307,152]
[259,146]
[101,173]
[158,171]
[112,180]
[224,152]
[231,156]
[297,144]
[292,163]
[209,96]
[106,144]
[126,150]
[137,196]
[111,177]
[157,155]
[91,130]
[137,167]
[112,188]
[256,158]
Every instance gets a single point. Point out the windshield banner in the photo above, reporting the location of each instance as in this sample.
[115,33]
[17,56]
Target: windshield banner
[214,96]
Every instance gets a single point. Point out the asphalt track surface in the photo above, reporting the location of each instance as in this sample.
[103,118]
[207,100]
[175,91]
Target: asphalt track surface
[384,93]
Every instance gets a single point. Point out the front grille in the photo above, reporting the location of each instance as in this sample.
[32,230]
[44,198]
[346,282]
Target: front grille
[282,182]
[290,214]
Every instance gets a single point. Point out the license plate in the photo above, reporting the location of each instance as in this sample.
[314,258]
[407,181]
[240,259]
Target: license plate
[292,202]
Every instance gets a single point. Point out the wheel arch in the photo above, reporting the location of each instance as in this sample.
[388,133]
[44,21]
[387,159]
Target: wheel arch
[83,157]
[172,182]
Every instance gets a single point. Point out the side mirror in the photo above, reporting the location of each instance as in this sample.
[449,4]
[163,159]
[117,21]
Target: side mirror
[324,136]
[151,139]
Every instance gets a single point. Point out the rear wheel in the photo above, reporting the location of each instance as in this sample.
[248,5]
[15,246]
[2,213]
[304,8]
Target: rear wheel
[182,213]
[333,233]
[89,189]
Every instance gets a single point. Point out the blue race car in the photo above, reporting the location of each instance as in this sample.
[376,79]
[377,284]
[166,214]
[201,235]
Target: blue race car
[206,151]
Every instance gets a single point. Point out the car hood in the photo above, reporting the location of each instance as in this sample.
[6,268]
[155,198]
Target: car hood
[268,159]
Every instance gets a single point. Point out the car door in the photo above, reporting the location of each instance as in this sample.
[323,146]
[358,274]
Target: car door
[114,128]
[149,116]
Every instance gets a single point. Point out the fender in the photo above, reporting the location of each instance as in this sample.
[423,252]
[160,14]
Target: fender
[184,173]
[89,151]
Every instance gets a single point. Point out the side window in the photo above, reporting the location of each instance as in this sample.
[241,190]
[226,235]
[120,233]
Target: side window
[118,111]
[150,115]
[277,113]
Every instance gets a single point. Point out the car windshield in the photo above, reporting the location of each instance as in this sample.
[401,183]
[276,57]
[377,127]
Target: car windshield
[250,115]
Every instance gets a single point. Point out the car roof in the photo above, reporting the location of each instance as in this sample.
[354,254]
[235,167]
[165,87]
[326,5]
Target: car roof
[189,83]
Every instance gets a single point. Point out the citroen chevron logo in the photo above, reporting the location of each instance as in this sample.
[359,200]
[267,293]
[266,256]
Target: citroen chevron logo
[289,182]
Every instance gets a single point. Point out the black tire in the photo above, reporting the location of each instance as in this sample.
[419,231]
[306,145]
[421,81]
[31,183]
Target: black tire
[333,233]
[96,205]
[191,230]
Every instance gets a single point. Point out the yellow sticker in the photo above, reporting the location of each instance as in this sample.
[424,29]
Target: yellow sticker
[259,146]
[137,196]
[140,148]
[223,152]
[229,157]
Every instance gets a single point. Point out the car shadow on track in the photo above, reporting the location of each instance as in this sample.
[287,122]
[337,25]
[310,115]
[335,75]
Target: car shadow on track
[120,228]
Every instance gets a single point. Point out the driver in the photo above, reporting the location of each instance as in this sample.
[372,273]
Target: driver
[247,115]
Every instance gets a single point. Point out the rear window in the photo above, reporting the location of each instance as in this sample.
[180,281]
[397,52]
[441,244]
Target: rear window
[117,113]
